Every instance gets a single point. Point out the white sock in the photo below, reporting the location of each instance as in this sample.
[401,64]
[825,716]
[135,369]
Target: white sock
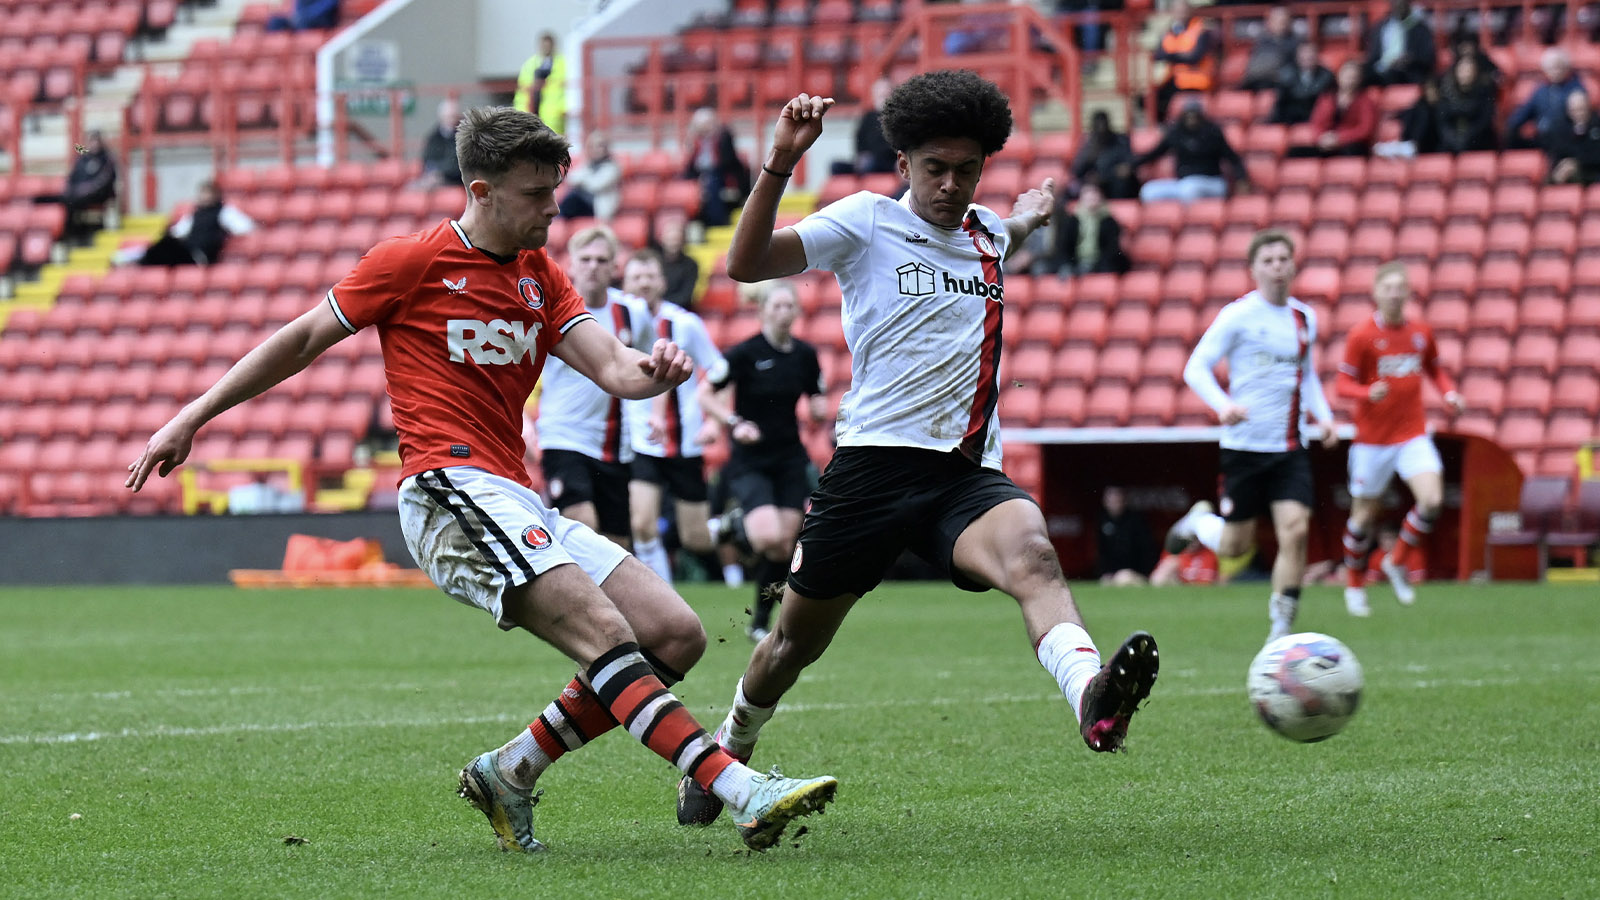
[743,725]
[1208,530]
[521,761]
[733,575]
[734,785]
[1067,652]
[654,555]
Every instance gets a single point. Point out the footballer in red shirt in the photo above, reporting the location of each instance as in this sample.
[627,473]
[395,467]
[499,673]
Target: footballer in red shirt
[467,313]
[1386,360]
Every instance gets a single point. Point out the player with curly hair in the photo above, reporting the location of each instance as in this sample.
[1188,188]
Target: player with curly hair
[918,464]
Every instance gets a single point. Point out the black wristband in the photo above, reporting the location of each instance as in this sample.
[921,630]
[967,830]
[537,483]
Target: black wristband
[773,173]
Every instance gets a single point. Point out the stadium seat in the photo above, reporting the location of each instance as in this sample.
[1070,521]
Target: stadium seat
[1196,246]
[1488,352]
[1129,321]
[1021,405]
[1555,240]
[1570,428]
[1578,352]
[1044,323]
[1461,242]
[1507,239]
[1450,314]
[1528,392]
[1382,205]
[1165,360]
[1578,392]
[1328,243]
[1175,320]
[1031,364]
[1521,431]
[1063,405]
[1075,364]
[1087,321]
[1535,351]
[1120,361]
[1107,404]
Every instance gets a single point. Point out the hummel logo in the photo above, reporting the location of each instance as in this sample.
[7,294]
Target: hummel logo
[456,287]
[914,238]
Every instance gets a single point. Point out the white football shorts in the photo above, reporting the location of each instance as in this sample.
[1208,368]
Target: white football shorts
[1373,465]
[476,534]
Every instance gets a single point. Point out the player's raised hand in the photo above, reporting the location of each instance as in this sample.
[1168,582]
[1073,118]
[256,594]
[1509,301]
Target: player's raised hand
[1037,202]
[800,124]
[166,450]
[667,363]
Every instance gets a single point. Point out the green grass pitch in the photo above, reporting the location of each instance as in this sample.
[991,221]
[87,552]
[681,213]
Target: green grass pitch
[166,742]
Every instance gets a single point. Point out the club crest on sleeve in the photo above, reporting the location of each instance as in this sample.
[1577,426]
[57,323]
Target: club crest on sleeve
[536,537]
[532,294]
[985,245]
[794,564]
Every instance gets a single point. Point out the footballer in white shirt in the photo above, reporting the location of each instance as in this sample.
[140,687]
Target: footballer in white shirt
[918,463]
[1269,339]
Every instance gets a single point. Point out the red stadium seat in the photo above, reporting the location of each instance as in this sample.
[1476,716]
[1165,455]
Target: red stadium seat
[1129,322]
[1578,352]
[1536,351]
[1490,352]
[1521,431]
[1462,241]
[1507,238]
[1449,315]
[1555,240]
[1063,405]
[1175,321]
[1382,205]
[1528,392]
[1044,323]
[1540,311]
[1500,278]
[1165,360]
[1483,392]
[1108,404]
[1087,322]
[1076,363]
[1577,392]
[1029,365]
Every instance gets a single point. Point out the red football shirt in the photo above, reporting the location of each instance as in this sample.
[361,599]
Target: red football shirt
[464,337]
[1399,356]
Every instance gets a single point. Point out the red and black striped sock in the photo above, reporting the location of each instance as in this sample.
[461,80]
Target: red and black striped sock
[1413,533]
[624,682]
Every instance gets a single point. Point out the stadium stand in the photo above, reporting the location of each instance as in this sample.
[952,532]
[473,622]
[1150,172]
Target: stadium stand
[1507,268]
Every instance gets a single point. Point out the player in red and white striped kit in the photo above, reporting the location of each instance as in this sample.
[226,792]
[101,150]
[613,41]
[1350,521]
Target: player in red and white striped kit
[1385,361]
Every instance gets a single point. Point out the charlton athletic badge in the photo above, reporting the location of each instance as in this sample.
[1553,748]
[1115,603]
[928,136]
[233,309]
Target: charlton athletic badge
[532,294]
[536,537]
[794,564]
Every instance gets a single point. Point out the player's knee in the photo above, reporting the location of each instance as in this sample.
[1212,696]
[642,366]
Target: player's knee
[683,639]
[1033,560]
[1428,507]
[1293,530]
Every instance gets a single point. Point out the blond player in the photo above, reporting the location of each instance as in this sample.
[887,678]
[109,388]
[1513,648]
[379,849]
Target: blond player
[1386,359]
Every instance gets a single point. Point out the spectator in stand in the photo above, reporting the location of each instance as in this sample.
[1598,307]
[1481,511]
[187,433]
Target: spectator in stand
[1106,158]
[1273,52]
[1466,109]
[680,268]
[873,153]
[1345,121]
[439,165]
[713,161]
[1574,145]
[1301,87]
[306,14]
[1468,45]
[1419,127]
[1189,49]
[1400,49]
[197,238]
[1200,148]
[542,84]
[91,183]
[1546,108]
[1125,552]
[595,183]
[1088,238]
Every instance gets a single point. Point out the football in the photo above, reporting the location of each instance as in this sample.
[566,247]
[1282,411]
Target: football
[1305,686]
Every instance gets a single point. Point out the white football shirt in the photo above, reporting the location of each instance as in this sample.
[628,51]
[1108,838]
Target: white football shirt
[1271,372]
[575,413]
[676,324]
[922,315]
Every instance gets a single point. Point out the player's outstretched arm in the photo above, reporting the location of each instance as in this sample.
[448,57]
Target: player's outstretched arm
[620,370]
[758,253]
[290,349]
[1031,211]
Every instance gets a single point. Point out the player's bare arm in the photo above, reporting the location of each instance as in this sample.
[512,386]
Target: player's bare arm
[290,349]
[717,406]
[759,253]
[1031,211]
[620,370]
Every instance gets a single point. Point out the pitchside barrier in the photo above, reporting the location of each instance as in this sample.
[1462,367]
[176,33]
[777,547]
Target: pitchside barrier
[1165,470]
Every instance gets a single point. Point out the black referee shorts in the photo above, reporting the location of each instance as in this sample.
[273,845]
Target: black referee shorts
[875,502]
[684,477]
[573,478]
